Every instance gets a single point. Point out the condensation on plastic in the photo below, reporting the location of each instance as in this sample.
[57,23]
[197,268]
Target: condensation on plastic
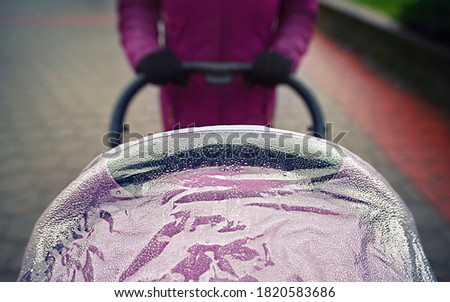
[227,204]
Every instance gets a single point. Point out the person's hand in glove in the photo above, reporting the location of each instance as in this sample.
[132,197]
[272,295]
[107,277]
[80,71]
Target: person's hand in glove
[162,67]
[269,69]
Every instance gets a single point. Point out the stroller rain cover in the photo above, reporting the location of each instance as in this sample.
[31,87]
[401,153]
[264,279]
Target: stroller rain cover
[227,203]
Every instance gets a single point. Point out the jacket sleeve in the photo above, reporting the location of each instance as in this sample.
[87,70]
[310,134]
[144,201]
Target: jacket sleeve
[138,28]
[295,27]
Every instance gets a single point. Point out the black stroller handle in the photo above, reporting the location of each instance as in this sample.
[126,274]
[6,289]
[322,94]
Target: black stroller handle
[215,73]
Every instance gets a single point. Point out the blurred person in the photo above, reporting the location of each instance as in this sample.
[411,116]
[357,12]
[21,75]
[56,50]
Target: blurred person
[273,34]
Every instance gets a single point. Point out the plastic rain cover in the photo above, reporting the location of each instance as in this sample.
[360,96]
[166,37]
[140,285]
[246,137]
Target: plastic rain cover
[227,204]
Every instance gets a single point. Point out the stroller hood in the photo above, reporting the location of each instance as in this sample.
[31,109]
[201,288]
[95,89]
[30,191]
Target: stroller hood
[236,203]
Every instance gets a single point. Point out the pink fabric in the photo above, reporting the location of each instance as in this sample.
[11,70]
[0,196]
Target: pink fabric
[222,31]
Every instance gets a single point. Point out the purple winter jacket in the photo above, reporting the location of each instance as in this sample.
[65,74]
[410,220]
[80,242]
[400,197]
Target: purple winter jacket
[221,31]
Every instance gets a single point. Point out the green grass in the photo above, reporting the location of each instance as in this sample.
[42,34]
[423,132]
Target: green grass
[392,8]
[426,17]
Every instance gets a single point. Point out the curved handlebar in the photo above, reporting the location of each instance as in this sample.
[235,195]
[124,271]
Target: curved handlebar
[216,67]
[211,68]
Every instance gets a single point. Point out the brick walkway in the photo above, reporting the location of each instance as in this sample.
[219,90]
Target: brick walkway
[62,70]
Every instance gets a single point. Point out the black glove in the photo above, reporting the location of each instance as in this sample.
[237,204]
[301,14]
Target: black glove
[269,69]
[162,67]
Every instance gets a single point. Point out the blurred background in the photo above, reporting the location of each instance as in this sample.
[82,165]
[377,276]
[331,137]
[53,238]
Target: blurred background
[380,69]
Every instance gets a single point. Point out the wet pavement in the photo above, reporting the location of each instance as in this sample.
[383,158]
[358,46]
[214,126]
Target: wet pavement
[62,69]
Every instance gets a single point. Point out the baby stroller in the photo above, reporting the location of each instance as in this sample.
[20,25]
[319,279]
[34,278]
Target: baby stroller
[226,203]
